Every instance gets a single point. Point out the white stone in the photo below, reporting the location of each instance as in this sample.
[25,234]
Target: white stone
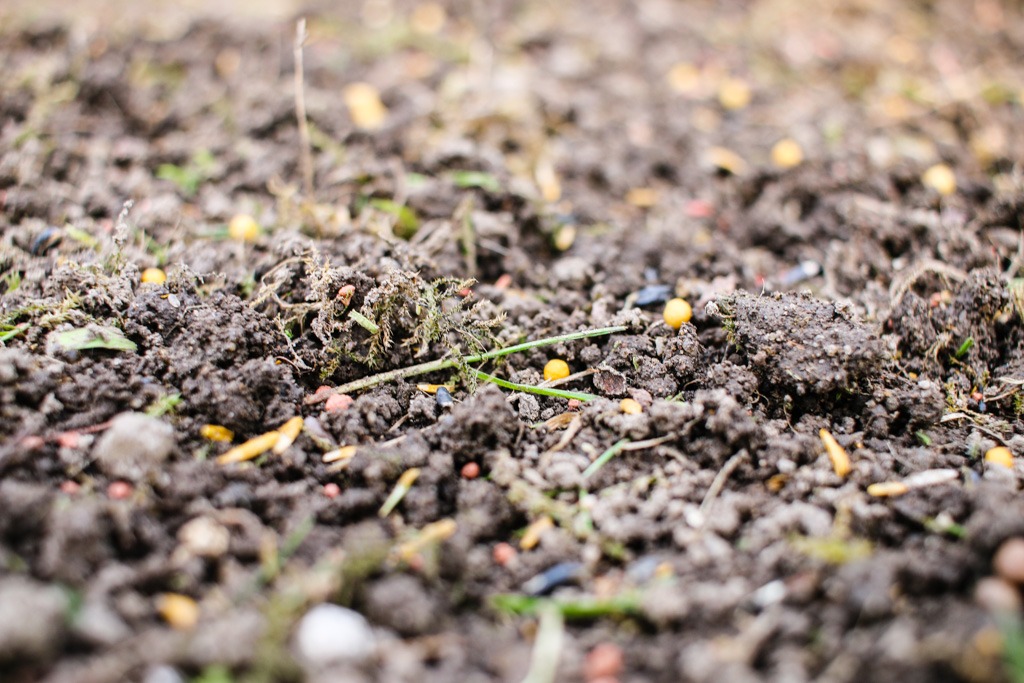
[134,447]
[330,633]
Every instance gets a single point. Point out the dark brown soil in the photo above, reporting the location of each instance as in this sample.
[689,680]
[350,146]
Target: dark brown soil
[581,162]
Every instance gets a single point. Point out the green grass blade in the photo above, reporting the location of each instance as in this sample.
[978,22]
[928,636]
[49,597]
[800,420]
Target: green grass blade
[603,459]
[532,389]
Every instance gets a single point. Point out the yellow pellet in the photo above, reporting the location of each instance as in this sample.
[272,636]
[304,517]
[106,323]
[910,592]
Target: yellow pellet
[408,477]
[180,611]
[364,105]
[836,453]
[888,488]
[254,447]
[786,153]
[548,181]
[431,534]
[216,433]
[428,18]
[154,276]
[533,533]
[340,454]
[288,432]
[734,93]
[677,312]
[644,197]
[1000,455]
[630,406]
[564,237]
[684,77]
[243,228]
[940,178]
[556,368]
[432,388]
[726,160]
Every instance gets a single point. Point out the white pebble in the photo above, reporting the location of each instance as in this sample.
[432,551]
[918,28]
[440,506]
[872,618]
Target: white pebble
[329,633]
[134,446]
[204,537]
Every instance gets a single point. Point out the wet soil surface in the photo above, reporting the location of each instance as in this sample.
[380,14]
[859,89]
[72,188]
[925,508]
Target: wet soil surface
[486,174]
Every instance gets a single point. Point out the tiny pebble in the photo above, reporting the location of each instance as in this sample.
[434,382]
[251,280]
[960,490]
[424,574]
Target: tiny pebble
[119,490]
[444,397]
[322,389]
[604,661]
[653,294]
[574,404]
[69,439]
[204,537]
[698,208]
[329,633]
[1008,561]
[135,446]
[332,490]
[997,596]
[70,487]
[337,403]
[470,470]
[33,442]
[162,673]
[558,575]
[504,553]
[33,620]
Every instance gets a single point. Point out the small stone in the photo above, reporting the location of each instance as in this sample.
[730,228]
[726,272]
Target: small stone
[329,633]
[98,624]
[332,490]
[337,403]
[1009,560]
[119,490]
[997,596]
[134,447]
[204,537]
[604,661]
[470,470]
[162,673]
[31,618]
[70,487]
[504,553]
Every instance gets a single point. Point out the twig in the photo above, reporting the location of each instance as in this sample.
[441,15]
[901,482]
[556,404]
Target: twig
[719,482]
[446,363]
[305,147]
[547,647]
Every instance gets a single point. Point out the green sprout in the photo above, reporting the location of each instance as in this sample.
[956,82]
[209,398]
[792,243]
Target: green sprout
[603,459]
[164,405]
[484,181]
[965,348]
[189,177]
[95,337]
[583,608]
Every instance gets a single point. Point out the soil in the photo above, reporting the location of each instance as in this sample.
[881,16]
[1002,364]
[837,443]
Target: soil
[532,169]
